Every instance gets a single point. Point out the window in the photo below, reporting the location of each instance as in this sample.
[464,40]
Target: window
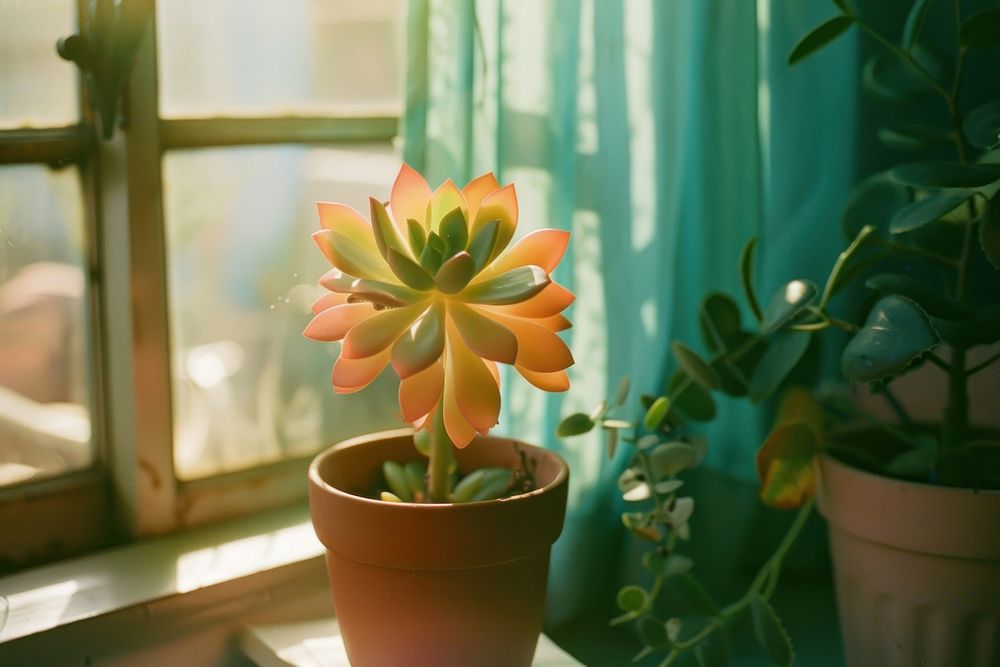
[153,287]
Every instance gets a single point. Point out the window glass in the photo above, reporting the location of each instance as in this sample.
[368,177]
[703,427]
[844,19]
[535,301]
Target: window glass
[243,271]
[45,363]
[294,57]
[29,30]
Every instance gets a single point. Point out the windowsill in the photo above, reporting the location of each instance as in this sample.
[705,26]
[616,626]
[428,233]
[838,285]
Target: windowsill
[234,574]
[317,643]
[174,581]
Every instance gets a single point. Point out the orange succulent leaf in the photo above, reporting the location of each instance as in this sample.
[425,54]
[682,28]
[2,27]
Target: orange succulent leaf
[555,322]
[785,466]
[429,286]
[500,205]
[333,323]
[476,392]
[477,190]
[419,393]
[327,301]
[538,348]
[351,257]
[552,300]
[347,221]
[352,375]
[484,335]
[409,198]
[459,430]
[446,199]
[555,382]
[544,248]
[378,332]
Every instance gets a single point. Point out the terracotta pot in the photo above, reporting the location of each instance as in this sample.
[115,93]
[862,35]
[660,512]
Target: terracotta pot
[917,569]
[436,585]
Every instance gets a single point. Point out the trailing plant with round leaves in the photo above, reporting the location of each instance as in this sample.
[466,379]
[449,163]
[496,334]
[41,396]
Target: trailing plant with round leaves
[924,243]
[429,287]
[675,614]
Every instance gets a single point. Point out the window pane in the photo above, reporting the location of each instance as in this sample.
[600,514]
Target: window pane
[243,271]
[28,34]
[295,57]
[45,383]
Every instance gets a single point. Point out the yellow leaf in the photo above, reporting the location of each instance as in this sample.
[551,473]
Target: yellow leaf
[784,464]
[799,407]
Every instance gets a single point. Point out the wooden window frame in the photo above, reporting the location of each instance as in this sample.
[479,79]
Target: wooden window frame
[133,490]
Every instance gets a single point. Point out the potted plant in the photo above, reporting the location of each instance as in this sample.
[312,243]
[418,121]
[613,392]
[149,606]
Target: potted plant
[438,536]
[913,501]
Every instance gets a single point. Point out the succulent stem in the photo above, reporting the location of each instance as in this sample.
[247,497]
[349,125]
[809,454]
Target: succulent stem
[438,464]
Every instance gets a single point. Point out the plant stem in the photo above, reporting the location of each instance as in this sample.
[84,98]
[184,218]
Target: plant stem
[956,412]
[939,362]
[842,260]
[768,575]
[917,250]
[906,57]
[956,418]
[897,407]
[438,465]
[963,262]
[980,366]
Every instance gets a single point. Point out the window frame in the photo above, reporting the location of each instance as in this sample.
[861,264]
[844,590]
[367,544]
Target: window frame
[127,265]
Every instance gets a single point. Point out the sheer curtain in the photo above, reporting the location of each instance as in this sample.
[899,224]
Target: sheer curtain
[663,134]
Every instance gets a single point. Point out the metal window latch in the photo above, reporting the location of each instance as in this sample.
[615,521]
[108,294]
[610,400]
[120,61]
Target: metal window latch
[104,50]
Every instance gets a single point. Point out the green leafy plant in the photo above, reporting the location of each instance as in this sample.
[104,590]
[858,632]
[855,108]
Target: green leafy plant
[923,252]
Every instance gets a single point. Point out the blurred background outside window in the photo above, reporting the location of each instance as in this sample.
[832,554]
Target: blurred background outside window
[46,383]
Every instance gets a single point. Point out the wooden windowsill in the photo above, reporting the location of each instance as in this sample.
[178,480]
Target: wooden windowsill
[161,587]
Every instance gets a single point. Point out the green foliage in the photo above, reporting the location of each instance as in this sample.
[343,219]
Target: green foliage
[746,277]
[695,367]
[945,174]
[575,424]
[896,333]
[982,125]
[989,232]
[788,302]
[684,596]
[785,350]
[914,22]
[632,598]
[689,399]
[720,321]
[927,210]
[656,413]
[512,286]
[981,31]
[924,250]
[408,271]
[483,484]
[874,202]
[895,80]
[770,633]
[714,651]
[932,300]
[819,37]
[395,479]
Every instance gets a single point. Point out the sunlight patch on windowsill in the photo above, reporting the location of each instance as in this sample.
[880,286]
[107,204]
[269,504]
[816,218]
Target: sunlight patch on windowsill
[154,573]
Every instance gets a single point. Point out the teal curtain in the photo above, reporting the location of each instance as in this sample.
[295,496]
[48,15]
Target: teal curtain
[663,134]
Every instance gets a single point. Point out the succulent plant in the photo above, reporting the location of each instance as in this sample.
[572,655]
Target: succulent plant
[430,287]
